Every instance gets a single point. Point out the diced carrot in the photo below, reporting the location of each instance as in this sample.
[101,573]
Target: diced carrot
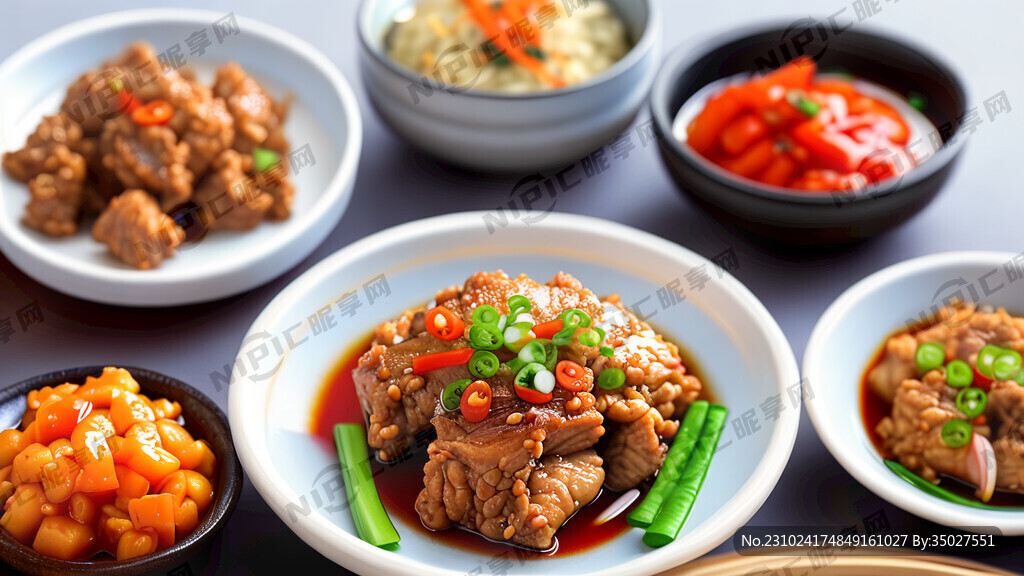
[63,538]
[154,511]
[780,172]
[164,408]
[61,448]
[752,162]
[128,409]
[741,133]
[703,132]
[83,508]
[24,512]
[94,457]
[176,440]
[111,524]
[92,423]
[207,462]
[186,517]
[131,485]
[29,463]
[134,543]
[57,419]
[11,443]
[187,483]
[153,462]
[59,479]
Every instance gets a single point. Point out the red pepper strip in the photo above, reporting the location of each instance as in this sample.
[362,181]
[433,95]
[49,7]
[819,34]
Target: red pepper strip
[533,396]
[443,324]
[155,113]
[741,133]
[127,102]
[780,172]
[428,362]
[834,150]
[547,330]
[752,162]
[703,132]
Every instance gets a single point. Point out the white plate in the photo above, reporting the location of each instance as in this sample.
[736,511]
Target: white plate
[854,328]
[325,115]
[283,362]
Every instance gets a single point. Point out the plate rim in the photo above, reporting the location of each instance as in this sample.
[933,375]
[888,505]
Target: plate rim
[44,264]
[889,487]
[360,555]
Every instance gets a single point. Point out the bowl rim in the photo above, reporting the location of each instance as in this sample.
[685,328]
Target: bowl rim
[337,544]
[21,247]
[686,56]
[220,511]
[644,45]
[889,486]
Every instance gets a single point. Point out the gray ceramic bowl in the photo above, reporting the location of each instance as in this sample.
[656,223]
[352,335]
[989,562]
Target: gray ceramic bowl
[509,133]
[793,216]
[203,419]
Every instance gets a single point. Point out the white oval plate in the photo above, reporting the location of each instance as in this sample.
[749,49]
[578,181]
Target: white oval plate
[854,328]
[285,359]
[324,115]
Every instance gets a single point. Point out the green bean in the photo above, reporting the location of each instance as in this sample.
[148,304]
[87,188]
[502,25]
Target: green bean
[678,455]
[372,522]
[942,493]
[673,514]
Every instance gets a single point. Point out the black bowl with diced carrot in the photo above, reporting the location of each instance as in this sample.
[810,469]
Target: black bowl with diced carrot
[809,137]
[111,471]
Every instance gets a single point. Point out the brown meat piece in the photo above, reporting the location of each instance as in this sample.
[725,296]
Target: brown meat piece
[258,119]
[634,452]
[1005,412]
[525,506]
[230,197]
[148,157]
[202,121]
[275,182]
[962,329]
[57,194]
[394,424]
[913,433]
[136,231]
[37,156]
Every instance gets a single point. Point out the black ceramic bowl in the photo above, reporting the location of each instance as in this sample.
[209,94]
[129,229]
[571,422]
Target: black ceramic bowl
[202,418]
[802,217]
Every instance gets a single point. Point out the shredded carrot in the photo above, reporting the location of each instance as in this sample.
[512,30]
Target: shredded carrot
[486,19]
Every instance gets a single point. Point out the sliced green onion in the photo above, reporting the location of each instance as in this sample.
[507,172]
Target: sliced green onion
[987,357]
[959,374]
[575,318]
[544,381]
[590,338]
[452,394]
[550,353]
[956,433]
[485,337]
[514,333]
[1007,365]
[526,375]
[263,159]
[115,84]
[1019,378]
[372,522]
[515,365]
[917,101]
[939,492]
[564,336]
[517,304]
[483,364]
[607,351]
[533,351]
[678,455]
[799,100]
[486,315]
[502,322]
[972,402]
[673,514]
[929,357]
[611,378]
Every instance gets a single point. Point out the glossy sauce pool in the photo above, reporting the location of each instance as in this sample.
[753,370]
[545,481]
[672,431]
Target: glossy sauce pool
[874,408]
[400,483]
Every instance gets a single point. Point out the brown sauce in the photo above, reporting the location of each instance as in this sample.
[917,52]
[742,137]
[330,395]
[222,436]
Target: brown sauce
[400,483]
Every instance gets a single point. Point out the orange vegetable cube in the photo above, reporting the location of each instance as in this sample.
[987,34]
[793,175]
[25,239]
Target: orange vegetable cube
[11,443]
[136,542]
[61,448]
[59,479]
[191,484]
[28,464]
[94,457]
[83,508]
[157,512]
[128,409]
[164,408]
[63,538]
[176,440]
[186,517]
[24,512]
[91,423]
[131,485]
[208,462]
[59,418]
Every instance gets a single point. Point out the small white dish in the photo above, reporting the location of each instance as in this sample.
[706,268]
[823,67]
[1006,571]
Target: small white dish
[509,132]
[325,115]
[291,350]
[852,331]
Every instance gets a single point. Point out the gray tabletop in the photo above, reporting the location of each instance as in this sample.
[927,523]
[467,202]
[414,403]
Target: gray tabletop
[982,40]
